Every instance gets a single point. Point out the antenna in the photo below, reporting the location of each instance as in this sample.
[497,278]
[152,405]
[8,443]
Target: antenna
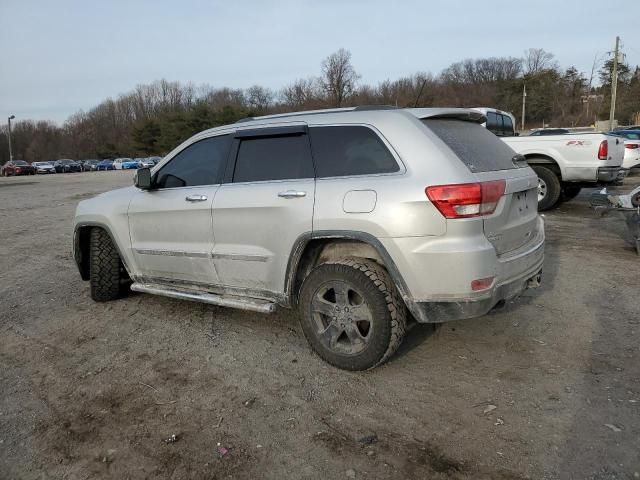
[424,82]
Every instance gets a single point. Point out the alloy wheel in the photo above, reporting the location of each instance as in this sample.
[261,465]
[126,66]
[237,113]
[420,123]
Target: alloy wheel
[342,318]
[542,189]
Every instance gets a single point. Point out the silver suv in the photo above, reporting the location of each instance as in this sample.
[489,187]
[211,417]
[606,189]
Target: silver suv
[361,218]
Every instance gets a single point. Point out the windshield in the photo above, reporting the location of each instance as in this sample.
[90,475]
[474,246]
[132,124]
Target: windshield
[20,162]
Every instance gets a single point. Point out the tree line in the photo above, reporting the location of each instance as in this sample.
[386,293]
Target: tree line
[154,118]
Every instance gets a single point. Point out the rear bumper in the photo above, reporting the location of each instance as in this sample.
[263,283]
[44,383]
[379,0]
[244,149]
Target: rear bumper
[452,276]
[438,312]
[611,174]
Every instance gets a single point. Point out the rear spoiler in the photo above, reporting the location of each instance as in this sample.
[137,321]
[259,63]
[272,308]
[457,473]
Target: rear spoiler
[465,114]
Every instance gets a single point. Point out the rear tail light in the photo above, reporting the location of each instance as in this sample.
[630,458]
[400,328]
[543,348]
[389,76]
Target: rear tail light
[603,150]
[631,146]
[466,200]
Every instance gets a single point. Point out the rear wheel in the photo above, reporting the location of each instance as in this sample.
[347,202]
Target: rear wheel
[105,267]
[351,313]
[549,188]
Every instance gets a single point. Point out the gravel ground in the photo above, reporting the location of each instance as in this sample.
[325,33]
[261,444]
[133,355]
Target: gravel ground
[548,387]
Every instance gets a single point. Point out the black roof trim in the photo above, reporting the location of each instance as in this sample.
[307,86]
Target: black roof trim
[366,108]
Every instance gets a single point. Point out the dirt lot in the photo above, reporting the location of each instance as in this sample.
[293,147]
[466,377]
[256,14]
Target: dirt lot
[93,390]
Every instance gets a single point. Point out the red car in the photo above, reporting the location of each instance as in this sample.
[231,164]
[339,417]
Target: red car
[17,167]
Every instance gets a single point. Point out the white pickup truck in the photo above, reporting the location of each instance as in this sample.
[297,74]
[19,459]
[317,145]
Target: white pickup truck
[564,163]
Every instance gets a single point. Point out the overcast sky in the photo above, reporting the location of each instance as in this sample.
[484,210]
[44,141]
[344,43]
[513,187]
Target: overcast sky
[57,57]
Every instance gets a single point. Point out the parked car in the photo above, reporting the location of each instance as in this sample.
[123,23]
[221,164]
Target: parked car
[43,167]
[631,147]
[90,165]
[548,131]
[155,160]
[67,166]
[144,162]
[105,165]
[17,167]
[125,163]
[353,216]
[566,162]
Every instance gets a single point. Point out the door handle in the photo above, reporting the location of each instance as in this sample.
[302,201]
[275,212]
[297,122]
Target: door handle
[292,194]
[196,198]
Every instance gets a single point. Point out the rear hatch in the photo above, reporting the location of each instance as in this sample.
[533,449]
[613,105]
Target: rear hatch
[515,220]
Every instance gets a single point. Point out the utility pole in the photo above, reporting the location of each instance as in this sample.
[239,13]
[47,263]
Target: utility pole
[524,103]
[614,84]
[10,152]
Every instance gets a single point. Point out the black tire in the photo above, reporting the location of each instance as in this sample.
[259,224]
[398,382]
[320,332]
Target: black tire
[552,189]
[369,292]
[569,192]
[105,267]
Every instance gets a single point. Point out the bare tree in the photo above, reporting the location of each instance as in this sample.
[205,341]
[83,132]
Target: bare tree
[258,97]
[338,77]
[537,60]
[303,93]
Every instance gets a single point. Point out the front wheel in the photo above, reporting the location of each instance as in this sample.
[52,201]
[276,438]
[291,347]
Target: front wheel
[105,267]
[351,313]
[549,188]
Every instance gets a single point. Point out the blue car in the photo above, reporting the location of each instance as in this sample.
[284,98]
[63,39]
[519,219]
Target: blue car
[125,163]
[105,165]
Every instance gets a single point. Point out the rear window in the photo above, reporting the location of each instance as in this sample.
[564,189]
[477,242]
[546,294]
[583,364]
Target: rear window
[478,148]
[350,150]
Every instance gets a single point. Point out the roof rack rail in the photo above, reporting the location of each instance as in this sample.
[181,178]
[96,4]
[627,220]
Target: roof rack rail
[364,108]
[359,108]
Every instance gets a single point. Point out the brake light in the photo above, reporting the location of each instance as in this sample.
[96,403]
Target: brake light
[631,146]
[466,200]
[603,150]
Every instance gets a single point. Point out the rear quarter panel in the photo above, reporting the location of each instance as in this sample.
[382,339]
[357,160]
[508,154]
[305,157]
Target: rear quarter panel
[402,208]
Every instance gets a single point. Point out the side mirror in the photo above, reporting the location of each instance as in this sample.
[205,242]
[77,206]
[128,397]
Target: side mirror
[142,180]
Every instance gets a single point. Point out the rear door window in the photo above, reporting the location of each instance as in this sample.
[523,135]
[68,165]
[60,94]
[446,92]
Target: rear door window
[350,150]
[479,149]
[507,125]
[492,123]
[273,158]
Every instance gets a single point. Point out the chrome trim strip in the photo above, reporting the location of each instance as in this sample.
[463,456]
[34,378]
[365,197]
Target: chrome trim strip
[172,253]
[241,257]
[254,305]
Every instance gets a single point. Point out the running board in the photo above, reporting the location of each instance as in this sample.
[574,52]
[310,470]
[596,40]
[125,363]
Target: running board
[253,304]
